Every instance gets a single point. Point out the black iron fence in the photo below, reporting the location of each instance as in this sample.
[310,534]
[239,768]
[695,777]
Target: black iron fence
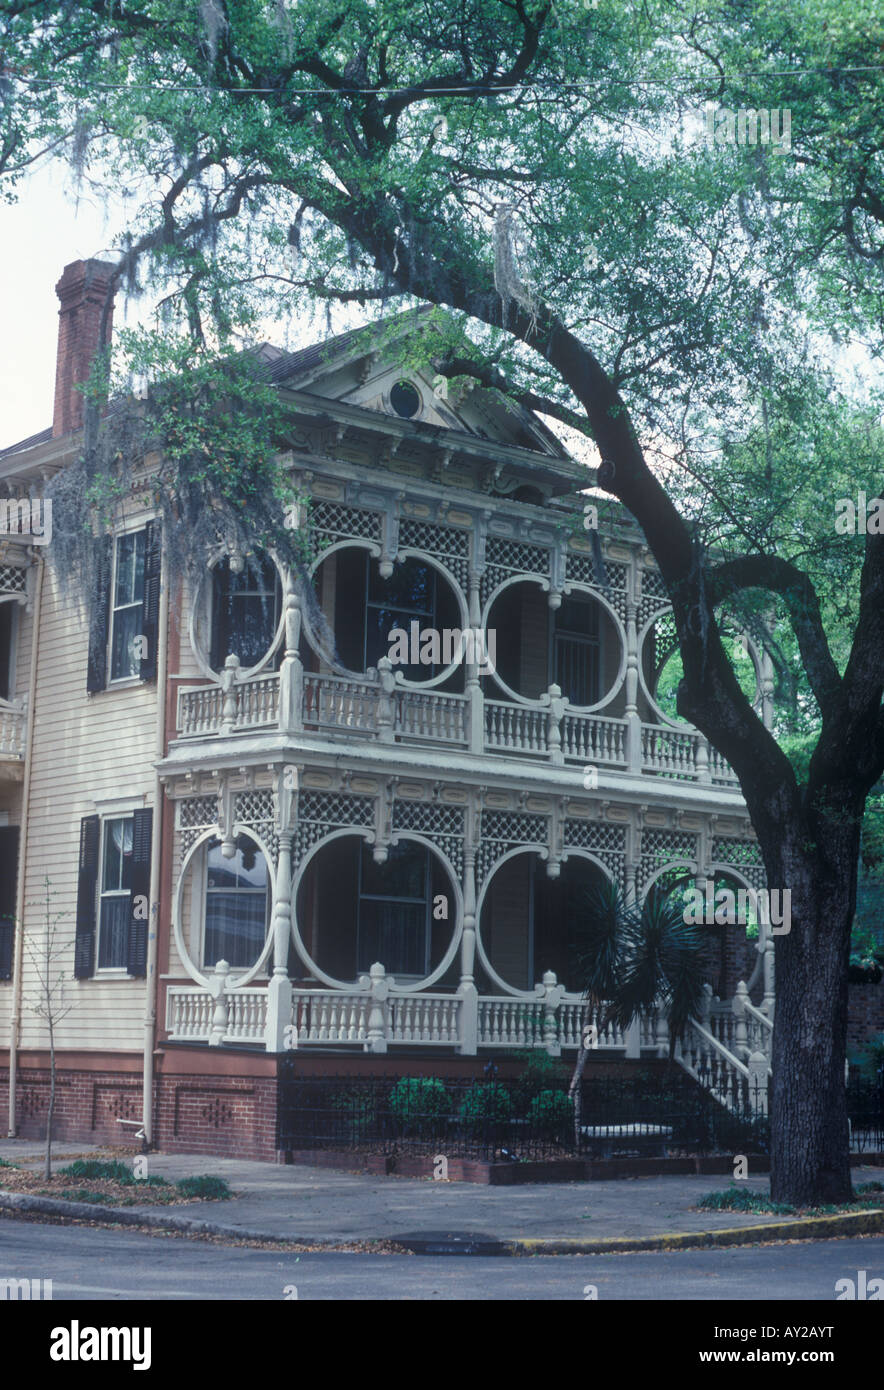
[641,1115]
[865,1109]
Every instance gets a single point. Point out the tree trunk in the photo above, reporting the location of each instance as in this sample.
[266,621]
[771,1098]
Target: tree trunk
[810,1156]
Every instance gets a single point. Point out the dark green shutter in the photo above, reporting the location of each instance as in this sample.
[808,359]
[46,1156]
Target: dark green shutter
[84,944]
[8,879]
[96,675]
[150,605]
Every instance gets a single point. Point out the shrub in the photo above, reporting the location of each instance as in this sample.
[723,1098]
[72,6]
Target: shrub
[552,1112]
[209,1189]
[486,1104]
[99,1168]
[356,1110]
[419,1104]
[540,1073]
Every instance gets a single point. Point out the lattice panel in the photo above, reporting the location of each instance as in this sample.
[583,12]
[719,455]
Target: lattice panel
[444,825]
[579,569]
[504,558]
[662,847]
[607,842]
[256,809]
[12,579]
[195,814]
[320,812]
[329,521]
[505,830]
[743,854]
[448,544]
[654,596]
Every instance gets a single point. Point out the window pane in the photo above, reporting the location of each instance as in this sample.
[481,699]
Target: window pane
[125,660]
[253,620]
[394,934]
[410,586]
[578,615]
[113,933]
[247,869]
[403,876]
[129,586]
[117,855]
[246,610]
[235,925]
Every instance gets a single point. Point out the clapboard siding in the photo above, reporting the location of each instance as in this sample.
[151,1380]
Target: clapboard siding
[86,748]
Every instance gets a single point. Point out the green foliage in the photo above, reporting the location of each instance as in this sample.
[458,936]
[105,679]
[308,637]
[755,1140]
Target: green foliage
[539,1073]
[869,1058]
[743,1199]
[552,1113]
[87,1168]
[636,955]
[484,1105]
[206,1188]
[419,1104]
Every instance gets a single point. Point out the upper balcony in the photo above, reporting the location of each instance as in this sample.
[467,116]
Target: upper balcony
[13,733]
[547,730]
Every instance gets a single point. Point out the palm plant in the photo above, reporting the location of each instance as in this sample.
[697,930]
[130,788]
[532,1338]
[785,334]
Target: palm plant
[631,959]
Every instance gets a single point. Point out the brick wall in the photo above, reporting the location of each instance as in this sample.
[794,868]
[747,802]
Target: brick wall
[214,1104]
[865,1013]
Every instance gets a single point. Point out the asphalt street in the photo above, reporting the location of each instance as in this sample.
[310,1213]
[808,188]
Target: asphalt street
[87,1264]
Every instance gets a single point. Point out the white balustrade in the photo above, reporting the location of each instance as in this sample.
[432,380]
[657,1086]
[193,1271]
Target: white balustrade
[12,732]
[669,752]
[427,1019]
[201,707]
[329,1016]
[332,702]
[589,738]
[246,1015]
[189,1013]
[190,1010]
[428,715]
[515,728]
[356,707]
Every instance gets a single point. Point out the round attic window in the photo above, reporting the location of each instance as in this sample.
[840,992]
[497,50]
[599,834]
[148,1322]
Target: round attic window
[405,400]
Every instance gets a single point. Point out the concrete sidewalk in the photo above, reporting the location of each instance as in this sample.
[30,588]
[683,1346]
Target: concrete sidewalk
[322,1205]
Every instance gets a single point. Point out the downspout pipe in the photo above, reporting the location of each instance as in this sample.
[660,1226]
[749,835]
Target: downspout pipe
[18,968]
[151,983]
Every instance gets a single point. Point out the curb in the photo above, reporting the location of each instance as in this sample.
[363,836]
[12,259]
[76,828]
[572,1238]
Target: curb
[106,1216]
[853,1223]
[804,1228]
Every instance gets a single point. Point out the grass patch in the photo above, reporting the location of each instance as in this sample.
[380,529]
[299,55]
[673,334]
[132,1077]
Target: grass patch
[743,1199]
[92,1168]
[4,1163]
[207,1188]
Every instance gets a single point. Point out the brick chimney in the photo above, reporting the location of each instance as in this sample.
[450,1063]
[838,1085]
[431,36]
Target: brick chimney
[82,291]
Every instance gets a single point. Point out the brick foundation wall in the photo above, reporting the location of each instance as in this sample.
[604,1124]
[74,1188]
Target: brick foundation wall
[203,1103]
[865,1012]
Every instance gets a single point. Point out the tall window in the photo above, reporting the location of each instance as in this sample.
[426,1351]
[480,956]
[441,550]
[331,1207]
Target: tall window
[116,887]
[245,610]
[236,904]
[6,629]
[408,596]
[394,911]
[576,653]
[126,610]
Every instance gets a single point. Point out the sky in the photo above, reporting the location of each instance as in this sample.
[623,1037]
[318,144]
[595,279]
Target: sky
[41,233]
